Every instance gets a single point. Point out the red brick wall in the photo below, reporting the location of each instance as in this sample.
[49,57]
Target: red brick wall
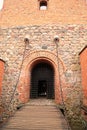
[83,60]
[26,12]
[1,74]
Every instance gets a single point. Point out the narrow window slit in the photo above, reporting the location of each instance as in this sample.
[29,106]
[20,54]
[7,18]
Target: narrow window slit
[43,5]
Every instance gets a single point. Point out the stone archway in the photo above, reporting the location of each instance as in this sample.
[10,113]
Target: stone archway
[25,78]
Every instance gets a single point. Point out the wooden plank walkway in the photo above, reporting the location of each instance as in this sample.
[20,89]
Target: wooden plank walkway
[37,116]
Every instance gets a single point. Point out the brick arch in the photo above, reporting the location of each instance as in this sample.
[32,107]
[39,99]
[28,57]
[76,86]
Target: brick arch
[46,54]
[30,60]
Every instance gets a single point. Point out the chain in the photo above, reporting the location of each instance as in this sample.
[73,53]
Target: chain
[61,91]
[12,96]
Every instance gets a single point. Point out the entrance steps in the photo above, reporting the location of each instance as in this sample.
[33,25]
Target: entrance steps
[40,114]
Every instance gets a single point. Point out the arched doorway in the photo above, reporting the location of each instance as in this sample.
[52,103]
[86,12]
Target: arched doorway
[42,81]
[31,62]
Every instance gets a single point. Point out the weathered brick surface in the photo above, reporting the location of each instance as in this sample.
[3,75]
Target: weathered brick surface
[68,20]
[83,61]
[26,12]
[1,74]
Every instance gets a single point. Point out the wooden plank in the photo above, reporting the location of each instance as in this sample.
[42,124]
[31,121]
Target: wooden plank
[37,117]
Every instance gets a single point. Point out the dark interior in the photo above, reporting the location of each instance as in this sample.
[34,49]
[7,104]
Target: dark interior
[42,81]
[43,3]
[42,88]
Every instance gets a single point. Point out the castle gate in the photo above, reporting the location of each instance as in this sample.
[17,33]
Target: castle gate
[40,77]
[42,81]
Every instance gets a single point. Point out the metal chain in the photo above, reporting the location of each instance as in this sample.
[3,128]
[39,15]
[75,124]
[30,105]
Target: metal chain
[59,84]
[12,96]
[61,90]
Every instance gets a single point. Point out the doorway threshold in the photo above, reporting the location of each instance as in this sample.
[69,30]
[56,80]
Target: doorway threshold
[42,101]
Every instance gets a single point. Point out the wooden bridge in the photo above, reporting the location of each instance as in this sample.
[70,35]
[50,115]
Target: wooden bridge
[37,115]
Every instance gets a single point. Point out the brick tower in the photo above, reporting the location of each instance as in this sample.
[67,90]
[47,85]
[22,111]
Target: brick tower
[40,41]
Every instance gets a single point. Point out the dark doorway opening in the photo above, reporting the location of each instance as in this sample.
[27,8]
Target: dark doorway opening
[42,88]
[42,81]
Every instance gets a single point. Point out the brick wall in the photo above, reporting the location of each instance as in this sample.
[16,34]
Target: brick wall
[72,40]
[26,12]
[83,60]
[68,20]
[1,74]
